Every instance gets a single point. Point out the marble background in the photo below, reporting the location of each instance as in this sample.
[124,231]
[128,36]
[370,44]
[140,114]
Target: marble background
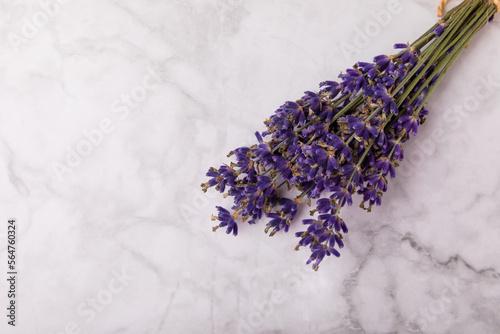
[111,112]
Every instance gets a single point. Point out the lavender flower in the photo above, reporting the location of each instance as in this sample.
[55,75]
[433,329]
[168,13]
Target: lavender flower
[345,139]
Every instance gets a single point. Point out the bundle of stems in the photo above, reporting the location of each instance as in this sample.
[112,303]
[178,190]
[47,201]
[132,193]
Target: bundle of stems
[344,139]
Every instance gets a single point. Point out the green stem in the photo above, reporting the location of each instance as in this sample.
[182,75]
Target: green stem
[429,54]
[360,161]
[351,105]
[455,54]
[446,57]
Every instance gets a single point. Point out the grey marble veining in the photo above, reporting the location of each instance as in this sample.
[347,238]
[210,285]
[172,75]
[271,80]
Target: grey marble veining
[111,113]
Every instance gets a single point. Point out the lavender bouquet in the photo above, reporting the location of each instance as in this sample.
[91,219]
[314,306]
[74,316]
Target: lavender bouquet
[346,138]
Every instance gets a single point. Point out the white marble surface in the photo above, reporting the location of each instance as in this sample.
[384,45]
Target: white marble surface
[119,240]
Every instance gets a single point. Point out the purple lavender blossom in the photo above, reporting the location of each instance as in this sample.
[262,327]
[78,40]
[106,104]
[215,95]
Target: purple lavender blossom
[345,139]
